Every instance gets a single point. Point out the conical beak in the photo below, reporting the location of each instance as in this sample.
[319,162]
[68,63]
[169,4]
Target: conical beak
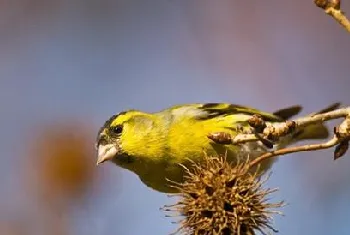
[106,153]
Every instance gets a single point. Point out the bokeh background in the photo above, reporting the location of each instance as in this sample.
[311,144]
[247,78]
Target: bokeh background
[67,65]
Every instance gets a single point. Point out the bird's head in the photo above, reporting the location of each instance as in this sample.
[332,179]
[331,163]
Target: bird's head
[119,138]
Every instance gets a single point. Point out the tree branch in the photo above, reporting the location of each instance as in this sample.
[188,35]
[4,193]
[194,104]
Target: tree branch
[272,132]
[332,8]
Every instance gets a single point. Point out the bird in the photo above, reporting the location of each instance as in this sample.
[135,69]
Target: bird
[156,146]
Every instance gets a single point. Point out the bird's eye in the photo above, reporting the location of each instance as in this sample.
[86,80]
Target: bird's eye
[117,129]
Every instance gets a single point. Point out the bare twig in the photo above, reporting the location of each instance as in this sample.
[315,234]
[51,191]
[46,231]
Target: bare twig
[332,8]
[331,143]
[274,131]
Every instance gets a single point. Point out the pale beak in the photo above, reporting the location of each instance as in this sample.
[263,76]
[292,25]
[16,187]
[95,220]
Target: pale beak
[106,152]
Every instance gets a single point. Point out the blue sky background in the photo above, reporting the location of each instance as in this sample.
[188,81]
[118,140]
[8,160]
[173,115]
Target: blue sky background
[86,60]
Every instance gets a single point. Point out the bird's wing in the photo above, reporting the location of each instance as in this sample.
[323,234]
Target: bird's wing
[212,110]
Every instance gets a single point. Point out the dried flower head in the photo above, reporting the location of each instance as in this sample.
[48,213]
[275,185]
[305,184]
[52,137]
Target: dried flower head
[221,198]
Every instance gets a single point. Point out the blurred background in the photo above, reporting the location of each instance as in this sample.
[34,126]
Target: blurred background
[67,65]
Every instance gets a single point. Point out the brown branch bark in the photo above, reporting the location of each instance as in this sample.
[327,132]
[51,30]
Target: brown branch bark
[332,8]
[340,139]
[272,132]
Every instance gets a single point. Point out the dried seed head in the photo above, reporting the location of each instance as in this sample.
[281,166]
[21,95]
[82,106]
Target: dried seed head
[220,198]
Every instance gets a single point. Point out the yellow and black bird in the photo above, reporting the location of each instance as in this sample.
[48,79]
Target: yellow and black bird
[152,145]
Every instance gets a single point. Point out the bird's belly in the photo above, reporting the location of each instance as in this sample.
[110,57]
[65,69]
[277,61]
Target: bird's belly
[162,175]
